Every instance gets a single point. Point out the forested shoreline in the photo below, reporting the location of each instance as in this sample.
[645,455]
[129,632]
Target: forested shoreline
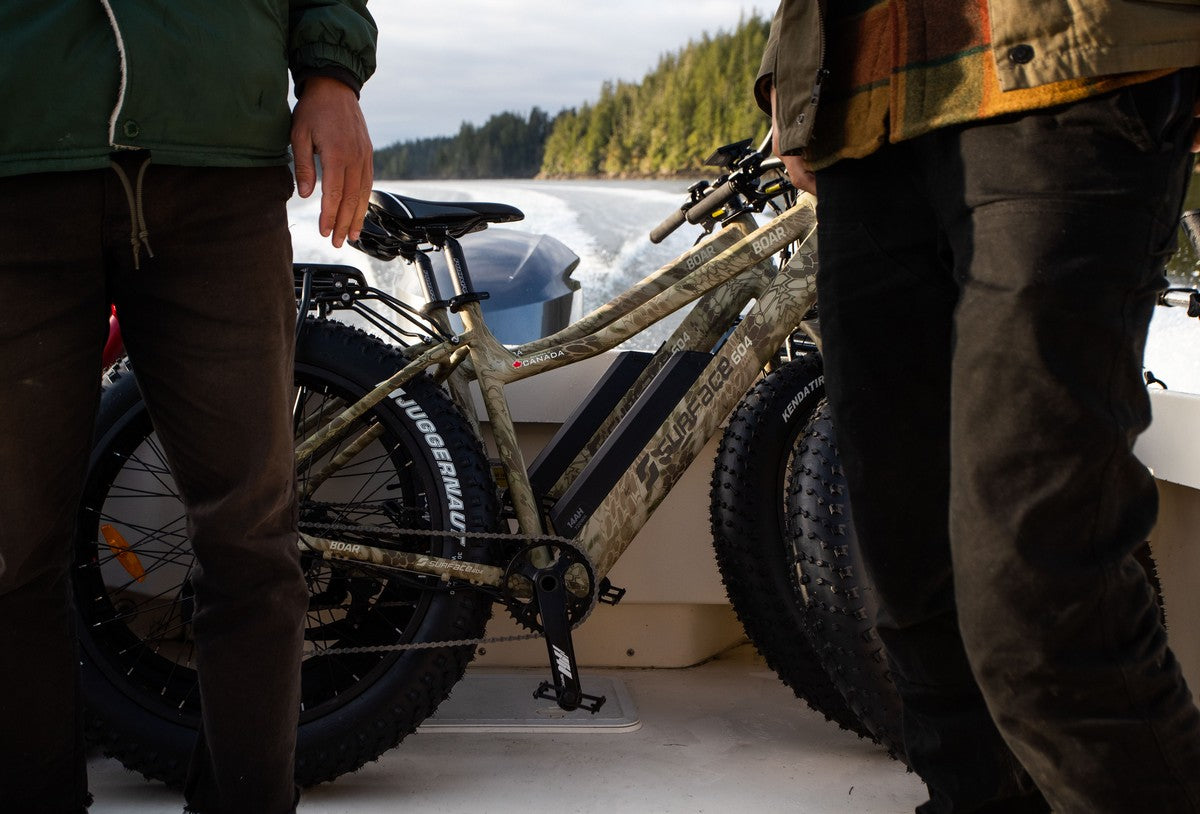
[693,101]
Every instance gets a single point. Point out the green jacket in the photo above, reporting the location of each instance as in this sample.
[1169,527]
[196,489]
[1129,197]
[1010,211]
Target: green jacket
[196,82]
[1034,42]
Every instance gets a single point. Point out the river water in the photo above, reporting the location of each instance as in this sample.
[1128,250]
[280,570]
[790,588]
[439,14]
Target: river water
[606,223]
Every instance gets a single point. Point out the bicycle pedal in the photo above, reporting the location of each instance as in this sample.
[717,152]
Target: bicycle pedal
[568,700]
[609,594]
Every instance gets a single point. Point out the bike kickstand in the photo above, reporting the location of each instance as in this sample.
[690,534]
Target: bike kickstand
[565,689]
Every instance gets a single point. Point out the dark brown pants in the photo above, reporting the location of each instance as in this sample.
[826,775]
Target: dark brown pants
[209,323]
[985,294]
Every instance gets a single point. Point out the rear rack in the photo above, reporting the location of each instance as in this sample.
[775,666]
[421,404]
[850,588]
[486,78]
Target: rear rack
[323,288]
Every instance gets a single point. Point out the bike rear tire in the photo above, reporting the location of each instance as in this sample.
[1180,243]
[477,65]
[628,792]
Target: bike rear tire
[750,536]
[139,686]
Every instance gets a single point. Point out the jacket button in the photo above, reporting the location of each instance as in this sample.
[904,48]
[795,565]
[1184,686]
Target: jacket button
[131,128]
[1021,54]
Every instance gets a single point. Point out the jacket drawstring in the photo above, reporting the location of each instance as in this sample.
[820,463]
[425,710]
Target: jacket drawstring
[139,233]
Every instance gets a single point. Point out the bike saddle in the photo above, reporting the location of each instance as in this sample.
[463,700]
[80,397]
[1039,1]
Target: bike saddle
[410,218]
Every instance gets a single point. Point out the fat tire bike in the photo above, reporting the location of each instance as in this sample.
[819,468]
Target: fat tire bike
[410,534]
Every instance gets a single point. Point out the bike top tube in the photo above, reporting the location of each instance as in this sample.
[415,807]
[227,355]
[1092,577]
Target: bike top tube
[623,321]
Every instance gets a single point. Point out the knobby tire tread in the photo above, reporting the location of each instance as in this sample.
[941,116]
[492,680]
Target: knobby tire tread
[747,513]
[416,681]
[839,624]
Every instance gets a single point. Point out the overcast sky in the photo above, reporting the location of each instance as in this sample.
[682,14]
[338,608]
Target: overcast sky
[443,62]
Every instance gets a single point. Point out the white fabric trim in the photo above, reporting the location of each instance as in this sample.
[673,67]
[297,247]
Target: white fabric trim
[112,120]
[400,203]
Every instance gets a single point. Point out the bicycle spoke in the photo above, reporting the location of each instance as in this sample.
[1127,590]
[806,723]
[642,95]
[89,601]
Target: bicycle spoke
[172,554]
[160,563]
[148,634]
[141,609]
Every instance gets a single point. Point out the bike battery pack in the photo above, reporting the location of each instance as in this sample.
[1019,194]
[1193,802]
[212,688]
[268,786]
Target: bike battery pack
[636,429]
[581,425]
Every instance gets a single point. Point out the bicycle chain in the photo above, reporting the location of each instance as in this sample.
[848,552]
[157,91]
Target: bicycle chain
[526,539]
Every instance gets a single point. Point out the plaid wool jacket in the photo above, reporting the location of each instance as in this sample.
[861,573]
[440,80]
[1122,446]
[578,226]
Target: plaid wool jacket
[921,64]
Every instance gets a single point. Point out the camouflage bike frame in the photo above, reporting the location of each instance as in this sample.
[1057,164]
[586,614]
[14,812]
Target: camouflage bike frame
[746,309]
[725,273]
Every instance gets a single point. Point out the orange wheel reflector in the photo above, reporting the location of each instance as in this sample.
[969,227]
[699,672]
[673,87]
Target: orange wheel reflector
[120,549]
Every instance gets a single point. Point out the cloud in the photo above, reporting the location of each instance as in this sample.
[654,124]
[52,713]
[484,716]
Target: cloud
[443,62]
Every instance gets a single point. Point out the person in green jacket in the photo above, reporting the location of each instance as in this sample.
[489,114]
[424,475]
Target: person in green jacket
[144,162]
[1003,179]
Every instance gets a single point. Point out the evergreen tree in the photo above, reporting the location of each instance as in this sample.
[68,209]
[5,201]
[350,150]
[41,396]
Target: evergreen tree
[693,101]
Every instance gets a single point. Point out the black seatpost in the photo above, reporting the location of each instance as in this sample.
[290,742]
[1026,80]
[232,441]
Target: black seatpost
[429,286]
[464,291]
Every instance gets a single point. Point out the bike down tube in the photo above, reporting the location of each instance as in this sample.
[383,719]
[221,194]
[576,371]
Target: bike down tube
[700,330]
[489,357]
[715,312]
[624,511]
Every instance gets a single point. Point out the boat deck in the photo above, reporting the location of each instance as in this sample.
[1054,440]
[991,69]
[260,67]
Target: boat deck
[723,736]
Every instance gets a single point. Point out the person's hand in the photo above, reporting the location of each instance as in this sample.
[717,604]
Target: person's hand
[328,122]
[797,168]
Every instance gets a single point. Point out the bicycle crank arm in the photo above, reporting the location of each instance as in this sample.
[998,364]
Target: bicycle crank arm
[447,569]
[566,691]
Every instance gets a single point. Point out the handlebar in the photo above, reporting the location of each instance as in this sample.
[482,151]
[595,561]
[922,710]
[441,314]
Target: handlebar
[670,223]
[745,167]
[713,201]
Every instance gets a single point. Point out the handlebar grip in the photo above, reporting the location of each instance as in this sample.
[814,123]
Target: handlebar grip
[1175,299]
[715,198]
[710,202]
[1191,227]
[672,222]
[1188,298]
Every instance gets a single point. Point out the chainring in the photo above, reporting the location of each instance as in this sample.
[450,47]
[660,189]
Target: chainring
[579,575]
